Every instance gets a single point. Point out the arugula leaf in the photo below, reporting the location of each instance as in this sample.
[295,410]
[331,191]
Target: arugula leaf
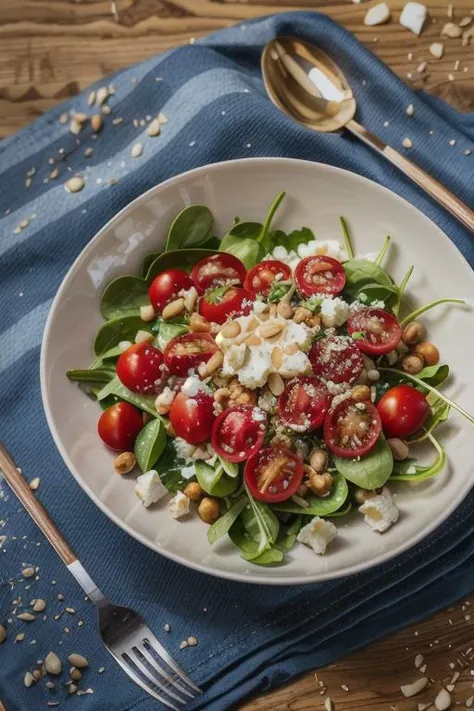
[169,467]
[97,375]
[143,402]
[423,309]
[402,471]
[192,226]
[347,238]
[401,289]
[297,237]
[214,480]
[112,332]
[370,471]
[320,506]
[265,238]
[222,525]
[381,254]
[150,444]
[178,258]
[360,272]
[123,296]
[434,374]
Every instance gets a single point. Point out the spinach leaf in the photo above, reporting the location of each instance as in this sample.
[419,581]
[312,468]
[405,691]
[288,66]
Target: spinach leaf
[124,296]
[212,243]
[434,374]
[149,444]
[245,248]
[431,389]
[261,527]
[167,330]
[265,237]
[439,413]
[378,292]
[101,361]
[320,506]
[423,309]
[347,238]
[147,262]
[360,272]
[272,556]
[370,471]
[347,508]
[401,290]
[143,402]
[190,227]
[287,535]
[230,468]
[179,258]
[250,549]
[112,332]
[223,524]
[381,254]
[214,480]
[169,467]
[98,375]
[297,237]
[408,470]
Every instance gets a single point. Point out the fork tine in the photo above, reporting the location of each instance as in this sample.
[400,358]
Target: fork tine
[125,663]
[153,676]
[172,680]
[161,651]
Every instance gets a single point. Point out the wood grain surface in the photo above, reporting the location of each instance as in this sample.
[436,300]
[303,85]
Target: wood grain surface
[52,49]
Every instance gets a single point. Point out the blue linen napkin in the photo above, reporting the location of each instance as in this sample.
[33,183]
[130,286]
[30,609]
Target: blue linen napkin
[251,638]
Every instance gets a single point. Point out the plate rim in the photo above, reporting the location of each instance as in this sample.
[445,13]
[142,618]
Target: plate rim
[199,567]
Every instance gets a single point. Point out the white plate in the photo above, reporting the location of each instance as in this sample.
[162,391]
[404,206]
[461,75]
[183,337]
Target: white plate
[316,196]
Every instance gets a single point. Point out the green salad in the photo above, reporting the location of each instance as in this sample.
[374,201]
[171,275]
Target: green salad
[267,382]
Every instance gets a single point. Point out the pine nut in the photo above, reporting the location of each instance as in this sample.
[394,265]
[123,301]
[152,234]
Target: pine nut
[268,330]
[173,309]
[214,362]
[230,330]
[399,448]
[124,462]
[277,358]
[275,383]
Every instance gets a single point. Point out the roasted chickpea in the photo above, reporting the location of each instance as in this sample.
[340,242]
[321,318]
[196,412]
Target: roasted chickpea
[318,460]
[412,363]
[359,393]
[320,484]
[209,510]
[413,333]
[194,491]
[428,352]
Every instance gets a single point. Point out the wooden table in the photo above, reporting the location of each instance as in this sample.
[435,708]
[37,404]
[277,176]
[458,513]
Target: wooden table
[52,49]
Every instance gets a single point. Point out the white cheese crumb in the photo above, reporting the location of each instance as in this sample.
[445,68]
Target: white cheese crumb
[317,534]
[190,297]
[410,110]
[260,307]
[334,312]
[149,488]
[179,505]
[192,386]
[380,511]
[413,17]
[147,313]
[255,371]
[234,359]
[123,345]
[377,15]
[295,364]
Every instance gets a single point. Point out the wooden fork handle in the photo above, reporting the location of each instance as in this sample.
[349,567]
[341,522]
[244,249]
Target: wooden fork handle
[437,191]
[36,510]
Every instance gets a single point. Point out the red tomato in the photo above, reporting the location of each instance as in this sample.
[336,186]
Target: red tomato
[119,425]
[352,428]
[303,403]
[165,287]
[192,417]
[378,331]
[218,304]
[260,278]
[320,275]
[239,432]
[140,368]
[336,358]
[217,270]
[273,474]
[402,409]
[188,351]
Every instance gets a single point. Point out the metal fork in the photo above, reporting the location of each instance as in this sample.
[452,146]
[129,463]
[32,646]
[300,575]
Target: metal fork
[123,631]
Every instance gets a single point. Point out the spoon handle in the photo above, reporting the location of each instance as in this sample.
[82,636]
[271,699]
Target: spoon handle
[437,191]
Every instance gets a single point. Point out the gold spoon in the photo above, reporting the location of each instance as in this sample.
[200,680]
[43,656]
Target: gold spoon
[308,86]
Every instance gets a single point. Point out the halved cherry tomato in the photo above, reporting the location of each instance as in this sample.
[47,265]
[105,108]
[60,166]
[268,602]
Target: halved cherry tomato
[119,425]
[377,331]
[320,275]
[273,474]
[402,409]
[260,278]
[188,351]
[217,270]
[218,304]
[192,417]
[351,429]
[239,432]
[140,368]
[304,403]
[336,359]
[166,286]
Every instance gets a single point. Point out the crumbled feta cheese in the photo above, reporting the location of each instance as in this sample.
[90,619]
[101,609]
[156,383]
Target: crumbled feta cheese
[149,488]
[413,17]
[306,250]
[184,450]
[317,534]
[260,307]
[254,372]
[192,386]
[380,511]
[334,312]
[297,333]
[392,357]
[295,364]
[179,505]
[267,401]
[188,472]
[377,15]
[378,304]
[164,401]
[234,359]
[123,345]
[280,253]
[190,297]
